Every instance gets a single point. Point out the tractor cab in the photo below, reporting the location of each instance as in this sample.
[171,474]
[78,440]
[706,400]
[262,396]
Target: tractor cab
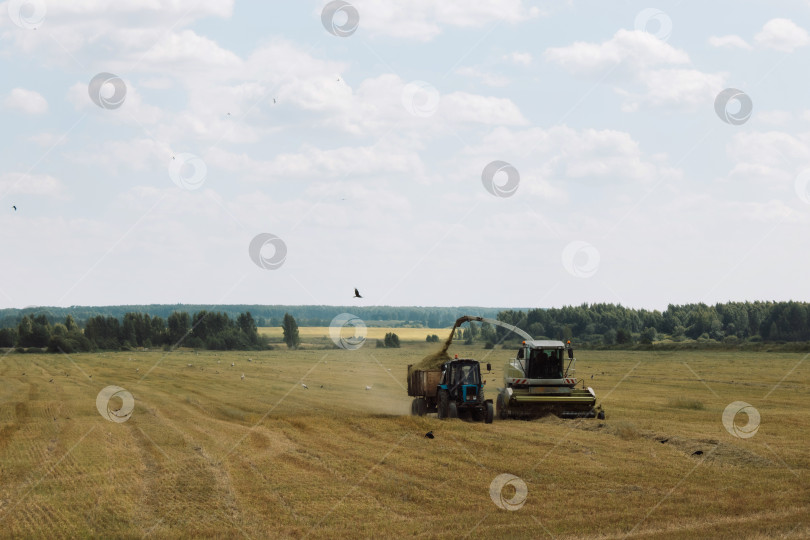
[462,378]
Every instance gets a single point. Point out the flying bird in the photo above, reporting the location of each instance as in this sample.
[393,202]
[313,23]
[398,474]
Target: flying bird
[232,364]
[429,435]
[14,206]
[243,376]
[357,293]
[51,380]
[274,100]
[368,388]
[662,441]
[305,386]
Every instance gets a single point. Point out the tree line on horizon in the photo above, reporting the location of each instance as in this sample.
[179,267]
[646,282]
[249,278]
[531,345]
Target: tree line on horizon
[265,316]
[202,330]
[589,324]
[613,324]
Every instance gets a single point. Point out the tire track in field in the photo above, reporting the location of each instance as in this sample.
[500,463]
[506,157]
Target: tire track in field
[20,418]
[182,479]
[232,511]
[33,391]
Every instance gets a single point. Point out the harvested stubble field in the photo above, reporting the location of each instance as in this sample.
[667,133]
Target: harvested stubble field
[207,454]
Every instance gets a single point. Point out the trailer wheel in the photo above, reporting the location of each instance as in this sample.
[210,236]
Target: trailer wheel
[489,414]
[452,410]
[421,406]
[441,406]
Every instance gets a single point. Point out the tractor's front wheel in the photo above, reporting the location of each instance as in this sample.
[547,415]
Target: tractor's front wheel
[489,413]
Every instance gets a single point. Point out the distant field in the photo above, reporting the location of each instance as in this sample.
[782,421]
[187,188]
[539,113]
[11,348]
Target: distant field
[308,333]
[207,454]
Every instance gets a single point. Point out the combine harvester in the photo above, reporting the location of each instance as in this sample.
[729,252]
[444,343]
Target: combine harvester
[536,382]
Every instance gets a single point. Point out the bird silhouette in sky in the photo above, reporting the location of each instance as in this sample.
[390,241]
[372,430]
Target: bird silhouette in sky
[14,206]
[357,293]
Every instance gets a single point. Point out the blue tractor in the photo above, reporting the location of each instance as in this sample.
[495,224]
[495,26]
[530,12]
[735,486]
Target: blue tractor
[460,393]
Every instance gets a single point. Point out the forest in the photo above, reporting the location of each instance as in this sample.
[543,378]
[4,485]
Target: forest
[203,330]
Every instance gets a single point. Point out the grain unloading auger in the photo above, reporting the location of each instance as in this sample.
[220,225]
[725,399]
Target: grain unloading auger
[541,379]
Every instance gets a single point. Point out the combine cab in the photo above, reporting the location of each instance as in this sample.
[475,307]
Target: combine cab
[540,380]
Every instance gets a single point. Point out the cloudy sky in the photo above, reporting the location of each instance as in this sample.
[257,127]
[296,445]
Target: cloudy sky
[476,152]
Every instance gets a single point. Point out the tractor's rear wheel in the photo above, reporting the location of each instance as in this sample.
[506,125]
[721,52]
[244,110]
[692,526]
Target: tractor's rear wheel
[452,410]
[489,413]
[441,407]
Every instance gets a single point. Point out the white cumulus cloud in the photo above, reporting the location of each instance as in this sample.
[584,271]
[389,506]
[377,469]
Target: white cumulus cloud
[423,20]
[487,78]
[634,49]
[27,101]
[782,35]
[729,42]
[30,184]
[686,88]
[520,58]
